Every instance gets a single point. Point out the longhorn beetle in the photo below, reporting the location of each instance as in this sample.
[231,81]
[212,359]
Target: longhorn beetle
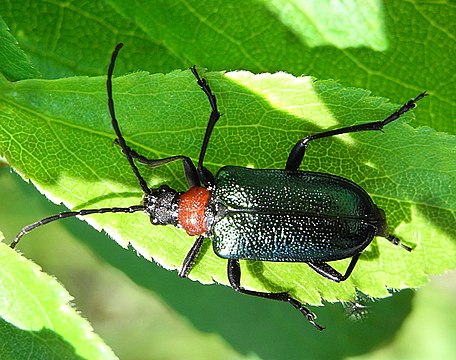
[259,214]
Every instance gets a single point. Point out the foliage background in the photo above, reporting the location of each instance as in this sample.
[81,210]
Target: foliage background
[409,47]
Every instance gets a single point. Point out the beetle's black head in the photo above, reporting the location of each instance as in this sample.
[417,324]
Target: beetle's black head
[161,205]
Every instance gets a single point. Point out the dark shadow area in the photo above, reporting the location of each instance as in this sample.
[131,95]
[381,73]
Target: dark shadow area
[256,269]
[18,344]
[441,218]
[90,204]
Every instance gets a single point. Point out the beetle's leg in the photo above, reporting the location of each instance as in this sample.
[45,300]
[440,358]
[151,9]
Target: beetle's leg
[297,153]
[330,273]
[397,242]
[190,258]
[234,276]
[189,168]
[204,174]
[198,175]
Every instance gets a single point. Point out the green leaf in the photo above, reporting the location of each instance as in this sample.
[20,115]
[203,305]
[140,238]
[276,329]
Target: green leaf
[58,134]
[37,319]
[14,64]
[406,46]
[225,35]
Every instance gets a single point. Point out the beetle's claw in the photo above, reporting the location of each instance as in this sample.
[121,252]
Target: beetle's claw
[310,316]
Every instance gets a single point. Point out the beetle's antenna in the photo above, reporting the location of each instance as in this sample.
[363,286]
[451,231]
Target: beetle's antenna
[125,149]
[115,124]
[63,215]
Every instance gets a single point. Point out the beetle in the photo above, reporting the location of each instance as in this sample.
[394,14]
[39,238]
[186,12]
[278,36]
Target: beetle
[279,215]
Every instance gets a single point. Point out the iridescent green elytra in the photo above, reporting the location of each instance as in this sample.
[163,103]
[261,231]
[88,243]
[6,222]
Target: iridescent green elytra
[292,216]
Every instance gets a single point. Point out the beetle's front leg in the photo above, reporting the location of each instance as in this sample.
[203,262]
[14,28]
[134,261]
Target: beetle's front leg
[297,153]
[330,273]
[234,276]
[190,258]
[189,168]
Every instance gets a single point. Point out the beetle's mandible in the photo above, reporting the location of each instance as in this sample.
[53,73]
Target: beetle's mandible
[276,215]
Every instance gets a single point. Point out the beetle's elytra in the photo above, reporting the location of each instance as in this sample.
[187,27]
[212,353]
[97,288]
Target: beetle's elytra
[316,217]
[259,214]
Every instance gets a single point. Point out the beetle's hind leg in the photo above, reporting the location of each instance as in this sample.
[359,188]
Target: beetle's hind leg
[330,273]
[397,242]
[234,276]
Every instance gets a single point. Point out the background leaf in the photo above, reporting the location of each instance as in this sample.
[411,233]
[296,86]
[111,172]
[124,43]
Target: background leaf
[40,322]
[216,36]
[14,64]
[220,35]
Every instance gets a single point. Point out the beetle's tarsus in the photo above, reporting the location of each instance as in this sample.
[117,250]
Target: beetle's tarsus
[309,315]
[311,319]
[396,241]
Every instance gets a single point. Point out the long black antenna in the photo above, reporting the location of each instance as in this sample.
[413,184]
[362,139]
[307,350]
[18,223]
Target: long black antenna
[63,215]
[115,124]
[125,149]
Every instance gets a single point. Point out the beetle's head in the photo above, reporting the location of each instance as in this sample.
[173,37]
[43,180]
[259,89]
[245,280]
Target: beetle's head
[161,204]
